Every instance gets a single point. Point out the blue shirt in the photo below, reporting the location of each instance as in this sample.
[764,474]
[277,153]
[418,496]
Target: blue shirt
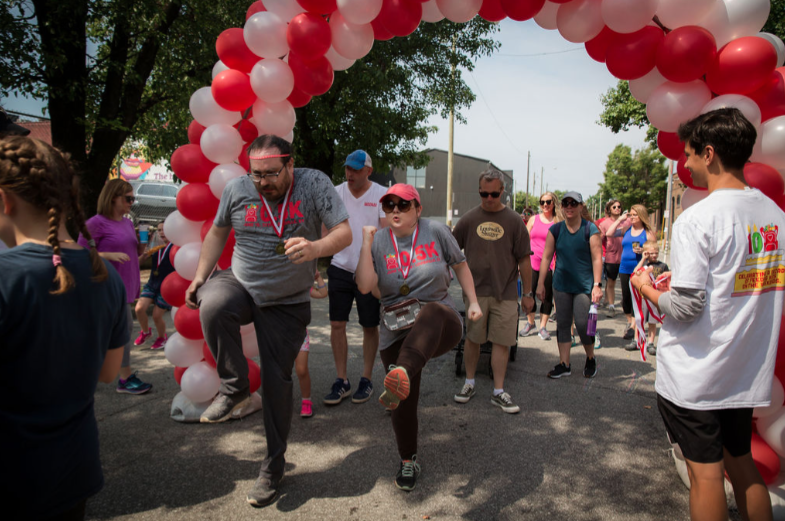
[630,259]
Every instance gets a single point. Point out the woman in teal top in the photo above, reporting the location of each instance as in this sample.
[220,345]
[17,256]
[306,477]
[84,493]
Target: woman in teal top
[576,280]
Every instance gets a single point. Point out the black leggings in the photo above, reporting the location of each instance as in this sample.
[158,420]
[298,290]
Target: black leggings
[546,306]
[626,294]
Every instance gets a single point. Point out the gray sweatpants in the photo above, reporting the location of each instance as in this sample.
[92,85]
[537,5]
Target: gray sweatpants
[572,307]
[224,306]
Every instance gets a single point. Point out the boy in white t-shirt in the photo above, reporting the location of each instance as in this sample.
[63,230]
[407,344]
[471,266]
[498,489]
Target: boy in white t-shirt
[718,340]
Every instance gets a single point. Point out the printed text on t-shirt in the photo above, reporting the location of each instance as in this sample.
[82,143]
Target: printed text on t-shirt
[423,254]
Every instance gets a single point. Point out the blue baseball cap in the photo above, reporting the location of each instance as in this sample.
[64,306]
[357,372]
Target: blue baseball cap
[358,159]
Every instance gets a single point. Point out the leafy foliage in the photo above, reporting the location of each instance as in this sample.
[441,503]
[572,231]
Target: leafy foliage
[639,178]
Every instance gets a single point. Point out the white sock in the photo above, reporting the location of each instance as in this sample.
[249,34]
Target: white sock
[346,382]
[470,381]
[497,392]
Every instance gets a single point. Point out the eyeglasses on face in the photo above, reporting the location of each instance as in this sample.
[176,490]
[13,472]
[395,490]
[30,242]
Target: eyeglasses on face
[258,176]
[616,207]
[544,202]
[388,206]
[130,199]
[495,195]
[570,203]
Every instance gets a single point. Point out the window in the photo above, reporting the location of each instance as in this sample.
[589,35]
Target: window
[149,189]
[415,176]
[170,191]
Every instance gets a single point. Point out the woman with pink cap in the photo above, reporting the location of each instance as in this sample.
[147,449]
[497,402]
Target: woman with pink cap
[407,266]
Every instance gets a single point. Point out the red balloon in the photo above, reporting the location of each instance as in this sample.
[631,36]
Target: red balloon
[172,252]
[208,355]
[243,160]
[225,260]
[686,53]
[520,10]
[669,145]
[313,77]
[248,130]
[254,375]
[598,46]
[318,6]
[560,1]
[632,56]
[401,17]
[379,31]
[779,363]
[233,51]
[765,178]
[178,373]
[196,202]
[766,460]
[232,90]
[298,98]
[195,130]
[173,289]
[309,35]
[781,202]
[187,323]
[492,10]
[742,66]
[771,96]
[256,7]
[190,165]
[683,173]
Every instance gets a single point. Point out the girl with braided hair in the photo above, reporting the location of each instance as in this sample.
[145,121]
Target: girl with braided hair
[63,324]
[116,241]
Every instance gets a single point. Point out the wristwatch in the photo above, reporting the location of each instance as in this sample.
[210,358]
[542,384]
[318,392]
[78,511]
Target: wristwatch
[598,284]
[528,295]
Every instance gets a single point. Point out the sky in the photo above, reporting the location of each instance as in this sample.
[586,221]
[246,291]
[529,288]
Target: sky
[547,104]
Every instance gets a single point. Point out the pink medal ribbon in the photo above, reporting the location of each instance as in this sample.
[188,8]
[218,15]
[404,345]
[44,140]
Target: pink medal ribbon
[161,255]
[280,249]
[405,289]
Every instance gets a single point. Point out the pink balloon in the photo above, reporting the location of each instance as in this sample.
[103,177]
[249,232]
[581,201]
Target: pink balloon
[309,35]
[742,66]
[632,56]
[349,40]
[673,103]
[580,20]
[686,53]
[628,16]
[272,80]
[459,11]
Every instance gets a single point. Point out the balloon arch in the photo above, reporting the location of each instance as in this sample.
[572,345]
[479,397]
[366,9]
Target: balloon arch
[681,58]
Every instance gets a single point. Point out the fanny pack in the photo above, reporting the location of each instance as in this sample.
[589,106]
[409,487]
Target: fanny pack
[401,316]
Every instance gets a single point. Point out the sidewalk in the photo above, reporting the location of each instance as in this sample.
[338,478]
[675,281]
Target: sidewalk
[579,449]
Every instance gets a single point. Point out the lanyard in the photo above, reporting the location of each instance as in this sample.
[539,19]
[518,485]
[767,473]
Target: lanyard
[278,227]
[405,272]
[162,254]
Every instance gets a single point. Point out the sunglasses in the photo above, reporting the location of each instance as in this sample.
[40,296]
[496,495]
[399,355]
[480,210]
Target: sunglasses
[130,199]
[616,207]
[491,194]
[388,206]
[570,203]
[544,202]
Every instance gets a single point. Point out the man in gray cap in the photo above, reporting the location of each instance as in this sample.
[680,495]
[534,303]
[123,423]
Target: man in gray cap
[361,197]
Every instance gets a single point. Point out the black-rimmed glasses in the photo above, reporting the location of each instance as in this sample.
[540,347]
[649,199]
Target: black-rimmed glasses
[256,176]
[495,195]
[544,202]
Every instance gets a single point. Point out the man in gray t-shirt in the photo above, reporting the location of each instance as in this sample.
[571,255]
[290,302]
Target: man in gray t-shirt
[276,213]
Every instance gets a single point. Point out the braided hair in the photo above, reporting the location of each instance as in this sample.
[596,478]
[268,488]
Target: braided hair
[44,177]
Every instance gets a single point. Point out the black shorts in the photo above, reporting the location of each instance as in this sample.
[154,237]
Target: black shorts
[702,435]
[342,291]
[611,271]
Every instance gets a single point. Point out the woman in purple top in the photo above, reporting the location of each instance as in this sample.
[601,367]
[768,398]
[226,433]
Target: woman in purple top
[116,241]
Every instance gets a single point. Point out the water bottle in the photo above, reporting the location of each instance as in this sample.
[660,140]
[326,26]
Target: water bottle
[591,327]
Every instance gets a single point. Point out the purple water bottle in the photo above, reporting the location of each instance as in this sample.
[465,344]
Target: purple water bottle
[591,327]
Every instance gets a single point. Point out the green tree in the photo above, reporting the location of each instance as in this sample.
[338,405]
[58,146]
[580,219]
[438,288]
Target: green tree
[639,178]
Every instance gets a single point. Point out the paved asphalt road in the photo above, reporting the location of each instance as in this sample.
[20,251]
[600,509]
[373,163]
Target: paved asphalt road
[579,449]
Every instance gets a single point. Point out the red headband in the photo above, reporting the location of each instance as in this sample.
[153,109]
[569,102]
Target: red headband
[268,157]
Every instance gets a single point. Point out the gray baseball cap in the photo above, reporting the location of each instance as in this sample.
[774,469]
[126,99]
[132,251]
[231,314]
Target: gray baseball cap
[573,195]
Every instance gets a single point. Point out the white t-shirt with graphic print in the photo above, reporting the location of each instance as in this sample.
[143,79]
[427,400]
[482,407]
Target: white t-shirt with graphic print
[363,211]
[731,245]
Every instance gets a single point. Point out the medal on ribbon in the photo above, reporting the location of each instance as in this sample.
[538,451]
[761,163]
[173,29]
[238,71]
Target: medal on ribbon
[280,249]
[161,255]
[405,289]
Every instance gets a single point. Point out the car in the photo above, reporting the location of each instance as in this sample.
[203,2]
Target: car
[154,201]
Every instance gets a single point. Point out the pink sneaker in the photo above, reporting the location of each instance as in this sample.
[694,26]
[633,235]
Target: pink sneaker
[142,338]
[159,343]
[306,411]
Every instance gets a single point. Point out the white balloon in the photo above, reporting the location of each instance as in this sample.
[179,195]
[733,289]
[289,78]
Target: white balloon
[772,430]
[173,312]
[546,18]
[221,175]
[186,259]
[731,19]
[431,13]
[747,107]
[221,143]
[777,398]
[459,11]
[360,11]
[200,382]
[769,147]
[580,20]
[678,13]
[183,352]
[265,35]
[338,62]
[628,16]
[274,118]
[286,9]
[180,230]
[692,196]
[779,46]
[250,345]
[350,40]
[272,80]
[674,103]
[207,112]
[219,67]
[642,88]
[289,137]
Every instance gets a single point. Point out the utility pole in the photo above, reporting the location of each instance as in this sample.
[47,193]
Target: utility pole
[528,160]
[450,158]
[542,171]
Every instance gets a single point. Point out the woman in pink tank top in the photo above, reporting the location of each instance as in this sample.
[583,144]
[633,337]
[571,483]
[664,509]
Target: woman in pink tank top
[538,231]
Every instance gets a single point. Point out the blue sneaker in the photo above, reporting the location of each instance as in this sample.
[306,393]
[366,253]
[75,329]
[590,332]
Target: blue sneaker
[597,342]
[339,391]
[132,385]
[364,391]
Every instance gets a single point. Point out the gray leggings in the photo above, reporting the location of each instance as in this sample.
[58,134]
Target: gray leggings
[128,345]
[569,307]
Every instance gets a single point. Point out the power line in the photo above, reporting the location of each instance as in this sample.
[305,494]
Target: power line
[490,111]
[541,53]
[15,113]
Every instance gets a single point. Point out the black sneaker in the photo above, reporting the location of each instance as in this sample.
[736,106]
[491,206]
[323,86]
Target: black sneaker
[263,492]
[224,408]
[560,370]
[364,391]
[590,369]
[406,479]
[629,333]
[339,391]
